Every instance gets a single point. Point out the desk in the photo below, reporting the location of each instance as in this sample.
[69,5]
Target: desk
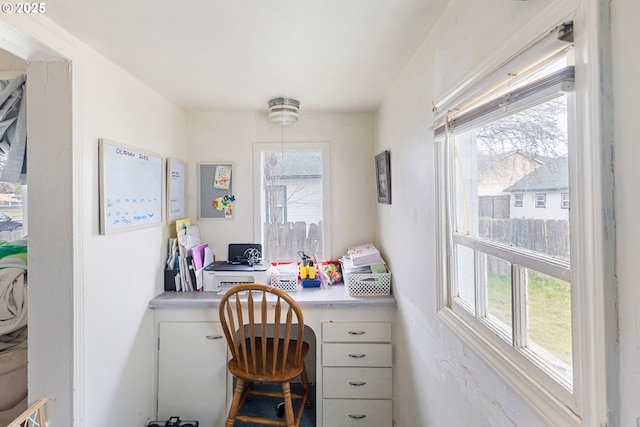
[185,310]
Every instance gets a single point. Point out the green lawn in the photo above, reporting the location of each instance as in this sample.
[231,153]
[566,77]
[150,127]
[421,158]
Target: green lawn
[549,311]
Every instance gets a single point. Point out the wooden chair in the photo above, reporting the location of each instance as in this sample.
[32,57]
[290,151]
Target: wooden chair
[258,322]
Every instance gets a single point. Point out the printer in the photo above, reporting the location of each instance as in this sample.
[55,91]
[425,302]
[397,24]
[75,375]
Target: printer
[244,265]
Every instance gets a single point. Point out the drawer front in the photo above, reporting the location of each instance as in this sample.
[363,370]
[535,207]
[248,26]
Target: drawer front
[356,383]
[356,332]
[360,354]
[356,413]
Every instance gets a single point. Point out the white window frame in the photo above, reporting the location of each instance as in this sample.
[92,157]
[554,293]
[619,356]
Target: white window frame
[258,200]
[592,236]
[540,200]
[565,200]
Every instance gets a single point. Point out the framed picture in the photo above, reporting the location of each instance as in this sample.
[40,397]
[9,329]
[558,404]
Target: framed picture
[383,177]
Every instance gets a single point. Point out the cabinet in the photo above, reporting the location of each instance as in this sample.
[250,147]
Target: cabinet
[192,372]
[335,323]
[357,365]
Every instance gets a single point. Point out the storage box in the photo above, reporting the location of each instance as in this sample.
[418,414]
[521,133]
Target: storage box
[367,284]
[285,276]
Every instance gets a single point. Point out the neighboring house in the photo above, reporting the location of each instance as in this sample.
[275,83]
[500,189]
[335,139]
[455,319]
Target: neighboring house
[294,187]
[543,193]
[497,172]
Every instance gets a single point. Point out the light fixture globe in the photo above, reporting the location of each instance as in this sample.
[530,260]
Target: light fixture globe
[284,111]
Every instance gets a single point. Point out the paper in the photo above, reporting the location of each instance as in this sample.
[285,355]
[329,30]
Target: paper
[197,252]
[208,256]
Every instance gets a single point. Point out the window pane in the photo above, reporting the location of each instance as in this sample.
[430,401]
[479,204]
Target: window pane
[549,302]
[511,177]
[292,208]
[11,219]
[465,277]
[499,308]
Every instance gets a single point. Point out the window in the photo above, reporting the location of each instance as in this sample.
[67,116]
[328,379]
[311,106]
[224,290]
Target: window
[508,284]
[517,200]
[292,191]
[11,210]
[541,200]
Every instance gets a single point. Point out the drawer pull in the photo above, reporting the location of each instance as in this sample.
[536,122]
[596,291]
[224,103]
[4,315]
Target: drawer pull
[357,416]
[357,332]
[357,355]
[357,383]
[213,337]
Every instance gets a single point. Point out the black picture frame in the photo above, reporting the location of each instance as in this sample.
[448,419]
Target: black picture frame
[383,177]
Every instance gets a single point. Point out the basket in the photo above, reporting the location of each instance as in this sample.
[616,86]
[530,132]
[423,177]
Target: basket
[284,276]
[284,282]
[368,284]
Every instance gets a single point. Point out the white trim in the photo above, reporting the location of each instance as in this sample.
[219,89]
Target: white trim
[25,37]
[594,262]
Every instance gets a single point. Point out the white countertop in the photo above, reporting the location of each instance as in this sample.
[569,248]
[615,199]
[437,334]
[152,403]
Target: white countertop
[332,296]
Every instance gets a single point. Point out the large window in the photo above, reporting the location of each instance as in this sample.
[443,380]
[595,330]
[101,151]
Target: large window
[292,190]
[509,285]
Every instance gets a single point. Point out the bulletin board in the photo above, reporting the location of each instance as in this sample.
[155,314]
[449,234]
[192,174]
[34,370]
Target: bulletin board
[215,184]
[176,190]
[131,185]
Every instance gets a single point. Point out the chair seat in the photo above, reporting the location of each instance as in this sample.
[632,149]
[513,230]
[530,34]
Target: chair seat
[261,373]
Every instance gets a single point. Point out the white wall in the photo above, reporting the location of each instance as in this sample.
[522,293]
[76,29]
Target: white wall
[626,68]
[91,350]
[439,382]
[228,137]
[121,271]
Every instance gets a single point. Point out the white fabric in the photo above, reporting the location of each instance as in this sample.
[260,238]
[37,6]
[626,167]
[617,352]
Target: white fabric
[13,300]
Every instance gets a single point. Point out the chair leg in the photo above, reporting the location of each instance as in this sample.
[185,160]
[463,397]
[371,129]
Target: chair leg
[288,406]
[305,386]
[235,403]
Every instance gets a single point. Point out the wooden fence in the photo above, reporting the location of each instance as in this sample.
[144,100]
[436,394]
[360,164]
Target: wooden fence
[549,236]
[283,240]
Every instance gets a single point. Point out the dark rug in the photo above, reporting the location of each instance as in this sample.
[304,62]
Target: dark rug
[264,406]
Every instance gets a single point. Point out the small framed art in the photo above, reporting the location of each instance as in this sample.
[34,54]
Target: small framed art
[383,177]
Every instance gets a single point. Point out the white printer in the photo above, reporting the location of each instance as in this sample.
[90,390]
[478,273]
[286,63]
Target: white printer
[244,265]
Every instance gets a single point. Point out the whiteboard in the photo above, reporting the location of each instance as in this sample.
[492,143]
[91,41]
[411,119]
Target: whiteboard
[176,190]
[130,187]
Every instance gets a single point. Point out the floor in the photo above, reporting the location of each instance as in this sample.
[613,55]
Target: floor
[266,406]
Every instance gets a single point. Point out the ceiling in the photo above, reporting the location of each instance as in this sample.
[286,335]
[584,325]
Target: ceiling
[332,55]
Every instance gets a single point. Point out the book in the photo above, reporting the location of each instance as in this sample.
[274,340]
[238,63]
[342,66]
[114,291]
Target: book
[363,255]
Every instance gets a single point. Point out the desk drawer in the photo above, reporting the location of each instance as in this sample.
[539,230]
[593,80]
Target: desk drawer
[359,354]
[357,383]
[356,332]
[356,413]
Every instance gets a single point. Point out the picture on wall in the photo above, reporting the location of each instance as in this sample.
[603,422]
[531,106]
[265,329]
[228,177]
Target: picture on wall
[383,177]
[215,191]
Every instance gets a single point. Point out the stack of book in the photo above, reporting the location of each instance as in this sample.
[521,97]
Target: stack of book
[365,272]
[363,255]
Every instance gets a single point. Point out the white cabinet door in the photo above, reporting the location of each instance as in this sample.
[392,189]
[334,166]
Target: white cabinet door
[192,372]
